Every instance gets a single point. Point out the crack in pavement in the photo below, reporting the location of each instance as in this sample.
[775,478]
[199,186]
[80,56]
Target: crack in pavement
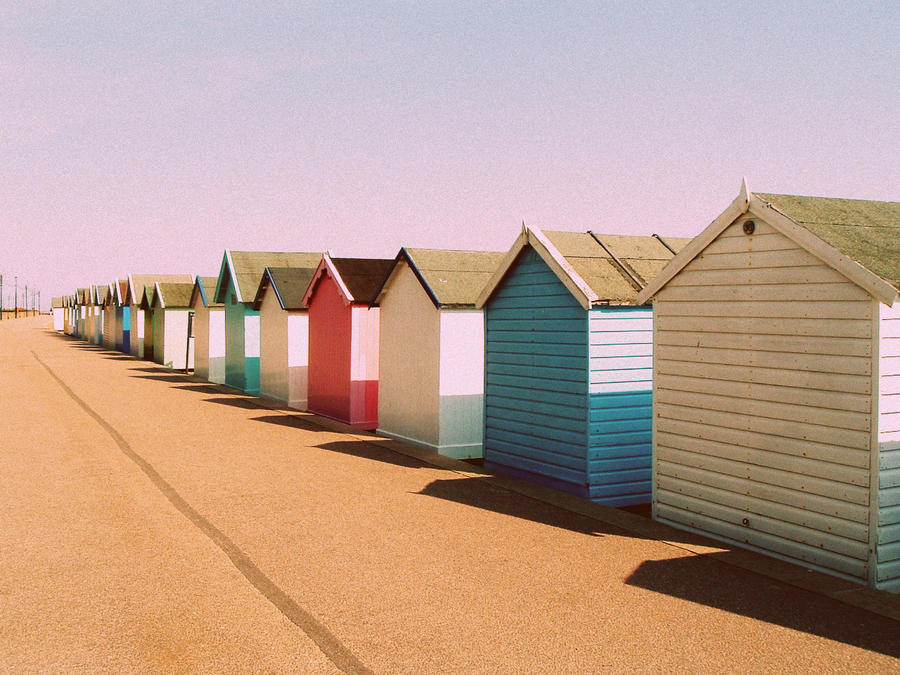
[330,645]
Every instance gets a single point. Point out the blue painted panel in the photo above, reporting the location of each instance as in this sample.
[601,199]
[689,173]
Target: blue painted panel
[536,378]
[621,405]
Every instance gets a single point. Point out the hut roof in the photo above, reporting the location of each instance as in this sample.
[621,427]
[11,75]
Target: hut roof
[57,302]
[147,297]
[169,295]
[137,282]
[867,232]
[450,278]
[205,289]
[358,278]
[596,268]
[288,283]
[245,268]
[858,238]
[101,293]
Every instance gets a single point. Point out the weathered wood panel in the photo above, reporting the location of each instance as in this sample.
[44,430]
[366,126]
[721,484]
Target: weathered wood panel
[763,401]
[887,571]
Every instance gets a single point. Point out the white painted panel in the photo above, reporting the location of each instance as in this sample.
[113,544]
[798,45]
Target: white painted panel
[251,336]
[217,333]
[298,339]
[140,323]
[462,352]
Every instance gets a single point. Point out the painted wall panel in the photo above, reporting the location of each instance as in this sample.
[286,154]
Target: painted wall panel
[763,401]
[201,340]
[273,354]
[536,363]
[217,344]
[461,383]
[887,574]
[329,352]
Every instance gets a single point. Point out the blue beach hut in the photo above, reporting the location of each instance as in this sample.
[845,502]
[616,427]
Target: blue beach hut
[568,362]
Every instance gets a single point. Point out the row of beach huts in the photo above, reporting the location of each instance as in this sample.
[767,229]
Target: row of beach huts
[746,382]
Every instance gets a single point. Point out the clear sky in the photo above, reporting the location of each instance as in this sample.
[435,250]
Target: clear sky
[149,137]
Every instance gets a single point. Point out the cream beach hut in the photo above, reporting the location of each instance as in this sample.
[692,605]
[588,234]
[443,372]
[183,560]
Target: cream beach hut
[209,331]
[57,310]
[284,334]
[173,346]
[431,372]
[133,296]
[777,388]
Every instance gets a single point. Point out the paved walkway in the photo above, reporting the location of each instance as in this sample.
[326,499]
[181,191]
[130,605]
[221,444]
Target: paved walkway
[153,523]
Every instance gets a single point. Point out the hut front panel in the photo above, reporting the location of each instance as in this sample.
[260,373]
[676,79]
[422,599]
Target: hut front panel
[201,340]
[137,331]
[536,378]
[888,542]
[123,329]
[763,401]
[251,350]
[148,335]
[109,327]
[97,336]
[364,348]
[298,359]
[329,352]
[158,318]
[620,437]
[57,318]
[216,345]
[462,383]
[409,380]
[273,348]
[177,352]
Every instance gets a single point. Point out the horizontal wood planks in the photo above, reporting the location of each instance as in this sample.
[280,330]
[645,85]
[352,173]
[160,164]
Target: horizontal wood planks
[763,401]
[887,573]
[536,384]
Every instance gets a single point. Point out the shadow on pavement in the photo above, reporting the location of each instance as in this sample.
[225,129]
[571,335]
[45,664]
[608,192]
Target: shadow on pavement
[119,356]
[289,421]
[703,580]
[483,493]
[247,402]
[202,388]
[374,452]
[165,377]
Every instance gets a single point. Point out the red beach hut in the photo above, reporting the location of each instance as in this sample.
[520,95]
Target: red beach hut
[343,339]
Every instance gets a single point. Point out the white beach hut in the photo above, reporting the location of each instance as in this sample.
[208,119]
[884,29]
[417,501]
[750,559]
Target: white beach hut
[777,386]
[209,331]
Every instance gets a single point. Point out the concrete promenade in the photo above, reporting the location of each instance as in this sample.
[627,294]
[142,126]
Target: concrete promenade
[153,523]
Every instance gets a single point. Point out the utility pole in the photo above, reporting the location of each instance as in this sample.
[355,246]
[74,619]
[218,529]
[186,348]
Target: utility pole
[1,297]
[16,302]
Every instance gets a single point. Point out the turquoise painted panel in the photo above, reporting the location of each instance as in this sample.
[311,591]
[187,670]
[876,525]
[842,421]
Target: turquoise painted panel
[234,339]
[536,378]
[621,405]
[251,374]
[888,561]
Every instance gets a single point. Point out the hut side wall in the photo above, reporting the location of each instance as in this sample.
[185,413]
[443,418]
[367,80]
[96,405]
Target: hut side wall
[137,331]
[763,401]
[201,340]
[109,327]
[123,329]
[409,383]
[462,383]
[216,324]
[329,352]
[365,331]
[273,349]
[298,359]
[536,378]
[159,335]
[57,318]
[175,347]
[149,343]
[887,574]
[97,337]
[241,343]
[620,437]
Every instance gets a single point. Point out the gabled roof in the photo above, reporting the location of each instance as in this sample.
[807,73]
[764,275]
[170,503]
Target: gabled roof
[82,296]
[57,302]
[169,295]
[598,269]
[203,289]
[136,283]
[357,278]
[147,297]
[100,293]
[450,278]
[245,270]
[858,238]
[288,283]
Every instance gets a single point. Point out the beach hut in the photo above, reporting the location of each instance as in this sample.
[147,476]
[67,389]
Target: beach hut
[777,396]
[57,312]
[568,374]
[133,296]
[344,339]
[147,310]
[284,334]
[122,319]
[109,317]
[82,300]
[170,309]
[431,370]
[209,331]
[98,299]
[236,286]
[69,315]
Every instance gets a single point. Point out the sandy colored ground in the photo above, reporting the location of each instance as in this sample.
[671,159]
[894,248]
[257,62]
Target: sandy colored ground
[152,523]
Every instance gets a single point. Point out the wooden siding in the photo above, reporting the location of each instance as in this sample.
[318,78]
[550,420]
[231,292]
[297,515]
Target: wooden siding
[763,401]
[330,328]
[888,545]
[536,379]
[621,411]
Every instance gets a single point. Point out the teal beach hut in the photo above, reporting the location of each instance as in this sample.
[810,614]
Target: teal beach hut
[238,281]
[568,362]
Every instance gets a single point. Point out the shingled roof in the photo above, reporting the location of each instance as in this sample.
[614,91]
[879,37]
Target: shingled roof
[170,295]
[205,288]
[450,278]
[137,282]
[597,268]
[358,278]
[865,231]
[858,238]
[288,283]
[246,269]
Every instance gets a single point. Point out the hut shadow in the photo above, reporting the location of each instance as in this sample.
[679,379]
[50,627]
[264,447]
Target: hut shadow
[703,580]
[485,493]
[374,452]
[245,402]
[175,377]
[291,421]
[201,388]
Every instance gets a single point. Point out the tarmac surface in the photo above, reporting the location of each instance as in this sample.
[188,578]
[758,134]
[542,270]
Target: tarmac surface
[150,522]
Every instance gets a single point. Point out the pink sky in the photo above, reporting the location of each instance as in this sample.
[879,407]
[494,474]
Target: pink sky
[149,138]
